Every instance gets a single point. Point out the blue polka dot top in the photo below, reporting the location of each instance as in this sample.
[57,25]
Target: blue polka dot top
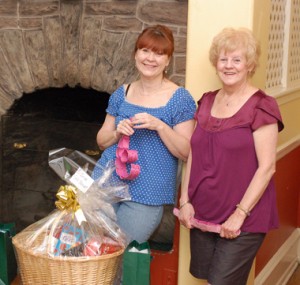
[156,184]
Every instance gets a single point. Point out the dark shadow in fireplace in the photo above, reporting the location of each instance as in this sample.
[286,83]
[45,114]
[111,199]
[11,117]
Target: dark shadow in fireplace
[36,123]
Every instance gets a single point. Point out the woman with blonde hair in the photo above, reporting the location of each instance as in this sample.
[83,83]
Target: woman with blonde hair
[229,174]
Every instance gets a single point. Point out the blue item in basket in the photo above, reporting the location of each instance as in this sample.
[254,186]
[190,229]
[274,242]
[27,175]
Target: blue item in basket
[69,237]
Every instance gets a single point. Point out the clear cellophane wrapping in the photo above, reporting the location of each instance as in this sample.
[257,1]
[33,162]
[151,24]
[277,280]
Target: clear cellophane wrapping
[84,223]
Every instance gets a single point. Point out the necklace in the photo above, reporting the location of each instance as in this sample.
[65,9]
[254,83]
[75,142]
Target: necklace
[228,102]
[235,97]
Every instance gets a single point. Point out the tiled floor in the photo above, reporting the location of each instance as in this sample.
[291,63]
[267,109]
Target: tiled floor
[295,279]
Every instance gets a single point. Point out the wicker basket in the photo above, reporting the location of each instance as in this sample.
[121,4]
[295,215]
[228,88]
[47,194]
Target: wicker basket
[38,269]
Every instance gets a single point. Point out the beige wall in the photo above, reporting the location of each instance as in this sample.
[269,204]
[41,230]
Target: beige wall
[205,20]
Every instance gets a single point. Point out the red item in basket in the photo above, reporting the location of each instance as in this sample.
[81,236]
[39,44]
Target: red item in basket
[107,248]
[95,247]
[92,247]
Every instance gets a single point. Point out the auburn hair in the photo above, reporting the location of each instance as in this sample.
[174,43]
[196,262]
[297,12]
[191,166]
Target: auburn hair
[157,38]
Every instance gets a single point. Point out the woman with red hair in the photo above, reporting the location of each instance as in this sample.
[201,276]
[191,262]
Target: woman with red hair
[158,117]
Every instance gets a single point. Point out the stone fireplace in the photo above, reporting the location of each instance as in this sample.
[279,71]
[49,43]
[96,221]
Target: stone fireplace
[73,44]
[53,43]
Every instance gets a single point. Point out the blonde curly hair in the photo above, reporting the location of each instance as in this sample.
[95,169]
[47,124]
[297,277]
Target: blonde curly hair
[230,39]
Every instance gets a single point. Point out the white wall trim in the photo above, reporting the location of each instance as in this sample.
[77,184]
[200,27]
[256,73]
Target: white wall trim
[288,147]
[282,265]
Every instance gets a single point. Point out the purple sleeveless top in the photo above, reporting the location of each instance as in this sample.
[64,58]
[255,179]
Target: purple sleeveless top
[224,162]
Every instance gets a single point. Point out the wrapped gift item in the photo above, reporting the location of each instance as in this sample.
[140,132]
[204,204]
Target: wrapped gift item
[84,208]
[82,228]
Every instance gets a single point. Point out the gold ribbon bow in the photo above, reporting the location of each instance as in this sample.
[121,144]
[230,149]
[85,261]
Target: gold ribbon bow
[67,198]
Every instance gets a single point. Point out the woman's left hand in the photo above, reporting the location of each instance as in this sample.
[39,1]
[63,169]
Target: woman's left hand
[230,228]
[146,121]
[186,213]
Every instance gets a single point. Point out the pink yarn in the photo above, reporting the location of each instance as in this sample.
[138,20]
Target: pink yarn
[124,155]
[204,226]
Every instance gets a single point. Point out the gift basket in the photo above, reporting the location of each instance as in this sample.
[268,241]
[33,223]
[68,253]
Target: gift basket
[80,241]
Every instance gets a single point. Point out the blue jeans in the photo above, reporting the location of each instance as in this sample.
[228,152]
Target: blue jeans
[138,221]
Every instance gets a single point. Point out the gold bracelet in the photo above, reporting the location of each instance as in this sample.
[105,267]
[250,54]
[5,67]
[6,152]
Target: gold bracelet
[183,204]
[247,212]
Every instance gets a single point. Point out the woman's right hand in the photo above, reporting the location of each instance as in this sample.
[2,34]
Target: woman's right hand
[125,127]
[186,213]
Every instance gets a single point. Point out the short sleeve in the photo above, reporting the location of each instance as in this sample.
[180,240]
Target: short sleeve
[185,107]
[204,106]
[115,100]
[199,103]
[198,108]
[267,112]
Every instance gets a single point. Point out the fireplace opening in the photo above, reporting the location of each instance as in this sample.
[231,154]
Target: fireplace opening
[41,121]
[72,104]
[36,123]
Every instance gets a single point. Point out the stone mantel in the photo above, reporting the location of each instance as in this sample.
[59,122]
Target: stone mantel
[54,43]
